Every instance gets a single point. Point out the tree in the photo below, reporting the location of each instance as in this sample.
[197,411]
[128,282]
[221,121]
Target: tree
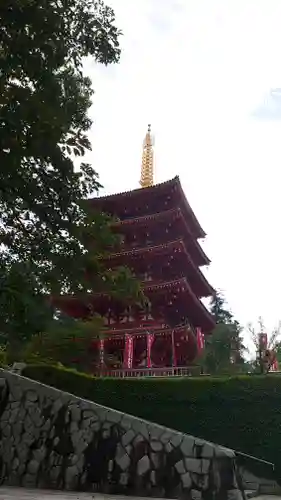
[267,346]
[65,341]
[45,223]
[224,347]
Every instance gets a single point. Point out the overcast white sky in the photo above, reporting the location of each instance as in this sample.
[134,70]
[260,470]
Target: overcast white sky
[201,72]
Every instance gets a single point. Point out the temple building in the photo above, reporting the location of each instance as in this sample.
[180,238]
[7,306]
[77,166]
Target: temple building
[160,245]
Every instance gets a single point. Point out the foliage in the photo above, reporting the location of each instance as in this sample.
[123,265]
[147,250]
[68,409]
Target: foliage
[45,223]
[243,412]
[66,341]
[266,354]
[224,349]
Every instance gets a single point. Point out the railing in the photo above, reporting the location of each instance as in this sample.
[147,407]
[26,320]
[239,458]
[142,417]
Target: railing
[178,371]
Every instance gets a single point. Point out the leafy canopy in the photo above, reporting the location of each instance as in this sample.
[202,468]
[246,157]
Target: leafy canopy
[45,224]
[224,349]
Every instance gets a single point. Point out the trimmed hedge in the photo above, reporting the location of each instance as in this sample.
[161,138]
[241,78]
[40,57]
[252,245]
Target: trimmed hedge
[243,413]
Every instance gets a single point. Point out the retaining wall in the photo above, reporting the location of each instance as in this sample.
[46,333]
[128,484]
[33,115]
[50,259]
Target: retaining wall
[51,439]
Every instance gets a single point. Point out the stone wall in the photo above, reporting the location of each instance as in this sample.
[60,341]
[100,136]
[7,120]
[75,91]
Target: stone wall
[51,439]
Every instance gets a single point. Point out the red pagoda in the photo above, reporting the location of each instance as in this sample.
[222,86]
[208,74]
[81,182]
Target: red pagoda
[160,245]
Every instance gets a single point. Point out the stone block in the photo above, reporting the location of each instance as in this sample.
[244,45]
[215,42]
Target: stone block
[7,431]
[71,476]
[5,417]
[155,460]
[155,431]
[33,467]
[180,467]
[187,446]
[16,392]
[28,424]
[128,437]
[153,477]
[57,405]
[176,439]
[76,437]
[102,413]
[126,422]
[156,445]
[88,422]
[54,474]
[29,481]
[143,465]
[123,461]
[168,447]
[140,428]
[186,480]
[208,450]
[88,435]
[166,437]
[74,427]
[95,427]
[128,448]
[124,478]
[81,447]
[15,404]
[220,451]
[196,495]
[36,416]
[75,412]
[15,464]
[114,416]
[31,396]
[22,452]
[40,454]
[193,465]
[234,495]
[21,414]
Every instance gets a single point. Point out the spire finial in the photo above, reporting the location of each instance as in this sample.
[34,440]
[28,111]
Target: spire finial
[147,160]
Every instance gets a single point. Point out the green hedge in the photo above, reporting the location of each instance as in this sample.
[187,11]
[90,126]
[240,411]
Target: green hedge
[243,413]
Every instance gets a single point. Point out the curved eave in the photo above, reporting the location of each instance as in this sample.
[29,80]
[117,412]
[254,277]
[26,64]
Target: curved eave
[164,248]
[133,192]
[140,192]
[182,286]
[198,246]
[198,230]
[154,218]
[176,287]
[143,219]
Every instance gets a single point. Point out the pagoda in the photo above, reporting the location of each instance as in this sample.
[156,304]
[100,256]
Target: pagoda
[160,234]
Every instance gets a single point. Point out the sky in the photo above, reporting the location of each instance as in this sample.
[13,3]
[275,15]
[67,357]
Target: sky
[206,74]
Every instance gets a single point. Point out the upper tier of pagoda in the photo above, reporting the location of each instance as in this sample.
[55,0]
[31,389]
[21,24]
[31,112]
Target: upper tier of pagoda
[160,245]
[141,202]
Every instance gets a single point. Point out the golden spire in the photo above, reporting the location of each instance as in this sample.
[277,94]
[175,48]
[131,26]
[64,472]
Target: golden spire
[147,166]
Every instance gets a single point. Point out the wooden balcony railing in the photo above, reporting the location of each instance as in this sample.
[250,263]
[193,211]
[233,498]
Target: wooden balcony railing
[179,371]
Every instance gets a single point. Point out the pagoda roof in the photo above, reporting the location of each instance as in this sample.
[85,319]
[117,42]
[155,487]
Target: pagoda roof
[199,315]
[182,286]
[164,188]
[169,247]
[166,214]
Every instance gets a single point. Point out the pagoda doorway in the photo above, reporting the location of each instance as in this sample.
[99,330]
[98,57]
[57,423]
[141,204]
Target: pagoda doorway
[162,351]
[114,353]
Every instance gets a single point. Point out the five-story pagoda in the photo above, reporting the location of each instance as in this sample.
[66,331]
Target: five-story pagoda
[160,245]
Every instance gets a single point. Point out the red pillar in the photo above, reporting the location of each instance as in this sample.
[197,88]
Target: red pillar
[101,353]
[149,342]
[174,358]
[128,351]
